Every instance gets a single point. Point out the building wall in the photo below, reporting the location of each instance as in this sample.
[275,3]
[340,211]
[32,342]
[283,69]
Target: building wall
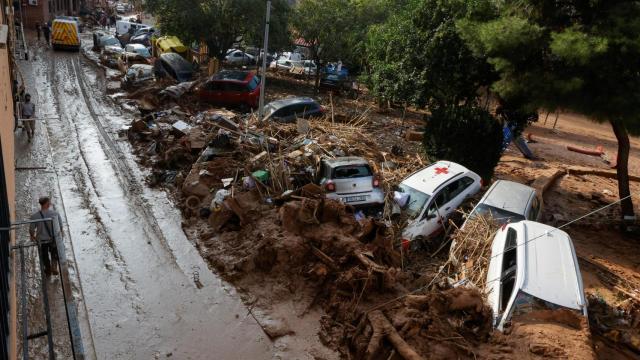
[6,136]
[35,13]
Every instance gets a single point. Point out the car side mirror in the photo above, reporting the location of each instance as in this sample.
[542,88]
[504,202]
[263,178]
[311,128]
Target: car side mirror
[431,216]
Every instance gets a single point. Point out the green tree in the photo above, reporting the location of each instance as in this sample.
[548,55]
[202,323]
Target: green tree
[418,57]
[466,134]
[572,54]
[219,23]
[324,25]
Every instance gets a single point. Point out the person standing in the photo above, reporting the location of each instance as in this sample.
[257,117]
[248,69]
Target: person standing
[38,30]
[46,31]
[46,233]
[28,113]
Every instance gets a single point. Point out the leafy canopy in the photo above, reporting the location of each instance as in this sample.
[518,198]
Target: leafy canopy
[220,22]
[418,57]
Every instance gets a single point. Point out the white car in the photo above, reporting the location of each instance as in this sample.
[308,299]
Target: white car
[285,64]
[138,49]
[239,57]
[533,267]
[431,195]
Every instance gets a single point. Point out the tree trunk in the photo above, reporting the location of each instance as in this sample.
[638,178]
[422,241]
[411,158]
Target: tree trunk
[622,167]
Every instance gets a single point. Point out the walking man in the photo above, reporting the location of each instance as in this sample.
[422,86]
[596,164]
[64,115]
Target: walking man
[46,30]
[38,29]
[46,233]
[28,113]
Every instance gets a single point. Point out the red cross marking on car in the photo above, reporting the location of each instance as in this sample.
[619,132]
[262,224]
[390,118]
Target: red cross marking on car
[442,170]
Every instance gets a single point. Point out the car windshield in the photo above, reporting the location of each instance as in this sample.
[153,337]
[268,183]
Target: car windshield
[501,216]
[142,51]
[416,201]
[111,41]
[351,171]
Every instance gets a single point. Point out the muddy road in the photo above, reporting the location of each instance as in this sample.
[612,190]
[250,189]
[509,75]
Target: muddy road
[137,270]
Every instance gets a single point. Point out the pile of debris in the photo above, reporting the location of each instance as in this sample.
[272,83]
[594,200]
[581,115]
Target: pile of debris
[248,195]
[470,252]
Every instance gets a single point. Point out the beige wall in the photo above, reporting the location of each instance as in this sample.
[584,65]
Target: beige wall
[6,135]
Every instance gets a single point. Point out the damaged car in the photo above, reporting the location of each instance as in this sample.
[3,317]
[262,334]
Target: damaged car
[232,88]
[351,181]
[174,66]
[507,202]
[289,109]
[533,267]
[138,75]
[429,197]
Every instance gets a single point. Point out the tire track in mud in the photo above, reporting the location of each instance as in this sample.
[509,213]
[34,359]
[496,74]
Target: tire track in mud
[131,187]
[89,194]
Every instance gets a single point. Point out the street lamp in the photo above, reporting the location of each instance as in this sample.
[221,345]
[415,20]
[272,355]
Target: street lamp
[265,46]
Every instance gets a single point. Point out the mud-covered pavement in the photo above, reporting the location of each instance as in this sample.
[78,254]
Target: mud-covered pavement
[143,287]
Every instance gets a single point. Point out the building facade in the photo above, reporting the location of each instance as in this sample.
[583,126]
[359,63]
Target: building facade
[41,11]
[8,305]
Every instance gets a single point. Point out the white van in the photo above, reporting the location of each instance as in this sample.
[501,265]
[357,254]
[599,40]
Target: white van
[123,27]
[431,195]
[532,267]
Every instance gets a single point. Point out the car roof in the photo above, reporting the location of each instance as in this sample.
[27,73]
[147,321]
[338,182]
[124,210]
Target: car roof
[508,195]
[134,45]
[278,104]
[429,179]
[232,75]
[345,160]
[551,270]
[141,66]
[68,21]
[176,61]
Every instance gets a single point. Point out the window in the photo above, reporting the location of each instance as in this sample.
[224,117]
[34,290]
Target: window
[432,212]
[301,109]
[351,171]
[509,267]
[457,187]
[253,84]
[416,201]
[237,55]
[535,208]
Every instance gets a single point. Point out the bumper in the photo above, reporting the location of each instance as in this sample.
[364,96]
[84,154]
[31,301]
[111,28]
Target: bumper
[372,198]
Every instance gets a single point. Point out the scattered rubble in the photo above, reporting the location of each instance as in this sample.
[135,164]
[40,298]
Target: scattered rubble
[246,190]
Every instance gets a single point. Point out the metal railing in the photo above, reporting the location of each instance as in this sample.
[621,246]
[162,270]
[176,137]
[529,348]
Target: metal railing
[75,335]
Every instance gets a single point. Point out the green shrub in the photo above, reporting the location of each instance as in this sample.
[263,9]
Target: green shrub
[465,134]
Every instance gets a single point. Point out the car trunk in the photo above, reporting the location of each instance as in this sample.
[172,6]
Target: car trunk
[352,179]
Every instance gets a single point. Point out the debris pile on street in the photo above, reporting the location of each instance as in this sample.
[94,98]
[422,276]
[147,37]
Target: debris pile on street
[471,251]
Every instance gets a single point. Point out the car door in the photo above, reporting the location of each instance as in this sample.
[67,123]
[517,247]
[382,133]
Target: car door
[212,91]
[233,93]
[456,192]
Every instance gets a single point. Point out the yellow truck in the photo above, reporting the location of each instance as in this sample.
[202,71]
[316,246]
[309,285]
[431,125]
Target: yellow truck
[65,35]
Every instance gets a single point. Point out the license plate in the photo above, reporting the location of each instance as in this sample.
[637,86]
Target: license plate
[355,198]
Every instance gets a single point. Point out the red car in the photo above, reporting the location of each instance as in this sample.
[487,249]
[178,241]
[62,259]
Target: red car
[232,88]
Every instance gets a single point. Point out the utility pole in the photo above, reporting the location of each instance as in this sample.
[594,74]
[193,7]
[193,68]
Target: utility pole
[265,47]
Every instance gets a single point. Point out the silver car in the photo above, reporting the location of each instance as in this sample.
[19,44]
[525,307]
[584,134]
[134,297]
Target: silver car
[509,202]
[289,109]
[350,180]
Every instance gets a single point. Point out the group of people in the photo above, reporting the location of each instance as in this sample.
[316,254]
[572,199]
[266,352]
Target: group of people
[43,29]
[107,21]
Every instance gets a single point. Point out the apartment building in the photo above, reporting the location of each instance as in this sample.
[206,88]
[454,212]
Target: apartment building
[8,303]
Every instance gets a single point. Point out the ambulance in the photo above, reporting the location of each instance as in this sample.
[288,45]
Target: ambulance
[65,35]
